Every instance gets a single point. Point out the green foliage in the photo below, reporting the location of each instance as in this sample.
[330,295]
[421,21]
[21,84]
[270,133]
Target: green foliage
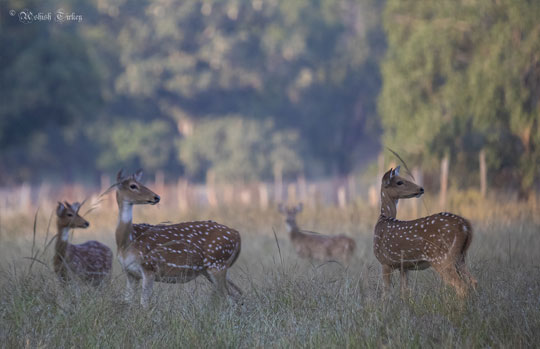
[136,144]
[461,76]
[238,149]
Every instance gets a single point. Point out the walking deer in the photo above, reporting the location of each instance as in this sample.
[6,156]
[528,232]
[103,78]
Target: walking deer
[90,261]
[316,246]
[175,253]
[440,241]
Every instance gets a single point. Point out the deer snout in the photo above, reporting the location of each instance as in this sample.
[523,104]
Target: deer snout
[420,192]
[156,199]
[86,224]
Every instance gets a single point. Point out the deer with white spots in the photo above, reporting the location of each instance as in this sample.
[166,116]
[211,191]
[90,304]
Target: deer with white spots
[440,241]
[313,245]
[173,253]
[90,262]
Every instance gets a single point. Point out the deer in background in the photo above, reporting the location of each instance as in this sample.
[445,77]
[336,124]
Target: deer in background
[175,253]
[90,261]
[440,241]
[313,245]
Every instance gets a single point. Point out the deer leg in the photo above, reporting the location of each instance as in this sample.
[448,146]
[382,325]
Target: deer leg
[450,276]
[147,285]
[219,279]
[465,273]
[386,274]
[233,286]
[131,286]
[404,273]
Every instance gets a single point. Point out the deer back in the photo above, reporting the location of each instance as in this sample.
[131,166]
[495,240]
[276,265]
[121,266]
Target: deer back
[430,239]
[184,250]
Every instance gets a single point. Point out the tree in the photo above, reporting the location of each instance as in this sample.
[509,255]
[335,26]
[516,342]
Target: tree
[461,76]
[237,149]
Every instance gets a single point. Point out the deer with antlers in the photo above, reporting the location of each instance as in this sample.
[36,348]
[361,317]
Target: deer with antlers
[90,261]
[440,241]
[173,253]
[313,245]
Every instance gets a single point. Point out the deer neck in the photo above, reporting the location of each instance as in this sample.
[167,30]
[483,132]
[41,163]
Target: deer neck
[388,206]
[61,245]
[292,228]
[125,224]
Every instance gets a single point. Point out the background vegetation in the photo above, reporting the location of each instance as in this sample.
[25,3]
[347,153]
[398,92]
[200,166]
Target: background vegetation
[246,90]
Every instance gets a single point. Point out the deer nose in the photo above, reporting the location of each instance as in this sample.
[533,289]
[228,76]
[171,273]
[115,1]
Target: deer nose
[156,198]
[421,190]
[86,224]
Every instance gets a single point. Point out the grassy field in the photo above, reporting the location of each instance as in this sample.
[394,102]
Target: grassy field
[287,302]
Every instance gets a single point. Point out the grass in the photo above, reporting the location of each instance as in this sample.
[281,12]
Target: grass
[288,302]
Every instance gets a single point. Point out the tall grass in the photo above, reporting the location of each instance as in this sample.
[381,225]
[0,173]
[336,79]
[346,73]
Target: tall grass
[287,302]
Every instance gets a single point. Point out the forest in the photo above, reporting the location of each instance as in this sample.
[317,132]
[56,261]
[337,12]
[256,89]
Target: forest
[243,90]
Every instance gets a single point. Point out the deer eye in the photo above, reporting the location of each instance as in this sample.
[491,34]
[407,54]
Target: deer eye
[399,182]
[133,186]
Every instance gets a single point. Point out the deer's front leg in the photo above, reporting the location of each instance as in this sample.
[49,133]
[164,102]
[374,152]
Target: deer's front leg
[147,284]
[404,281]
[132,284]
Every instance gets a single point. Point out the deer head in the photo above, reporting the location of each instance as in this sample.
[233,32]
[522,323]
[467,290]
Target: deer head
[68,216]
[131,191]
[290,213]
[395,187]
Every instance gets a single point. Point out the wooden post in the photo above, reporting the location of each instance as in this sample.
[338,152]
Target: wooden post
[211,188]
[263,196]
[444,181]
[483,172]
[302,188]
[291,193]
[278,183]
[351,188]
[182,194]
[342,198]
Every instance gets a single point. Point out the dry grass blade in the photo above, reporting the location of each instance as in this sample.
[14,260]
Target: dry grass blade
[277,243]
[403,162]
[33,241]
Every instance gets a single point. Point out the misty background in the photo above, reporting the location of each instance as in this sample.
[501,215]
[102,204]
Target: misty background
[238,91]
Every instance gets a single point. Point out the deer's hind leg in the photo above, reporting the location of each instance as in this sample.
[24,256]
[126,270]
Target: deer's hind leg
[465,273]
[220,280]
[450,275]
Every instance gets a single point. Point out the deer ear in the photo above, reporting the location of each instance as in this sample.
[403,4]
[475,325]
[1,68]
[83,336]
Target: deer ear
[387,177]
[60,209]
[138,175]
[299,207]
[396,171]
[76,206]
[120,175]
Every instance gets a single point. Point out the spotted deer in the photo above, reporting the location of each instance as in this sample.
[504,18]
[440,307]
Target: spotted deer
[313,245]
[90,261]
[440,241]
[172,253]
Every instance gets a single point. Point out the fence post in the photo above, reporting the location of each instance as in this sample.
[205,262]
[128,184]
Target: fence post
[483,172]
[444,181]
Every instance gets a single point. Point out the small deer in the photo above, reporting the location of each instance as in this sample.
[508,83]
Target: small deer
[440,241]
[313,245]
[90,261]
[175,253]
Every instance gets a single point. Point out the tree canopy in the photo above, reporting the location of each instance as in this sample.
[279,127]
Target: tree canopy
[246,89]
